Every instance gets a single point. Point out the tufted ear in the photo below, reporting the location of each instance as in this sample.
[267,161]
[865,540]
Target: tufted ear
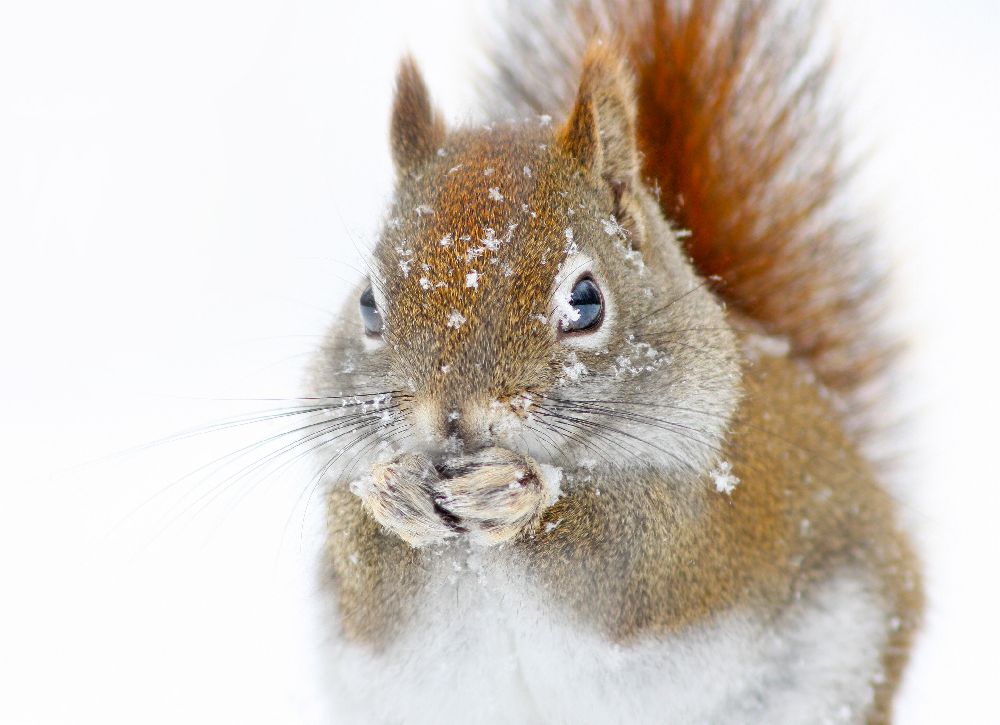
[600,130]
[416,130]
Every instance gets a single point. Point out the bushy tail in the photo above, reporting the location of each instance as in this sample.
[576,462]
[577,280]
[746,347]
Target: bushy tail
[740,140]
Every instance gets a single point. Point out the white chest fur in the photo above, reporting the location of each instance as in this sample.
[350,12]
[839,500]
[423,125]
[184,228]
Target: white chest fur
[485,648]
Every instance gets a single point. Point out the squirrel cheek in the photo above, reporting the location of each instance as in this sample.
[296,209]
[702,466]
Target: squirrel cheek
[424,421]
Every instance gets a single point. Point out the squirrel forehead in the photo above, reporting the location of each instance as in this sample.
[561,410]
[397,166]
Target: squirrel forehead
[486,194]
[494,208]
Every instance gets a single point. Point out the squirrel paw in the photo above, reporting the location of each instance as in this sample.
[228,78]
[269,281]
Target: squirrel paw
[494,494]
[400,496]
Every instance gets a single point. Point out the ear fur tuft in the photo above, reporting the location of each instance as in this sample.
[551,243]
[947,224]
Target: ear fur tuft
[416,130]
[600,131]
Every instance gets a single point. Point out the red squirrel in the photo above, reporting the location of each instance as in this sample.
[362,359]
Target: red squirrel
[600,408]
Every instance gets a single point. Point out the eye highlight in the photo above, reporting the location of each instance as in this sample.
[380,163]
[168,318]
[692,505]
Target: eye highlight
[588,307]
[370,314]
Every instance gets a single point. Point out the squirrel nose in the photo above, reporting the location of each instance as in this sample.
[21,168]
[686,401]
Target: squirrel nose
[451,426]
[466,426]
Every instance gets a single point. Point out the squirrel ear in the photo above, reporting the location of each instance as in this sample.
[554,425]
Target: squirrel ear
[416,130]
[600,131]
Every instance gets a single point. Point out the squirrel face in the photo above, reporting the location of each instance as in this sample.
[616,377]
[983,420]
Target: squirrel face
[527,293]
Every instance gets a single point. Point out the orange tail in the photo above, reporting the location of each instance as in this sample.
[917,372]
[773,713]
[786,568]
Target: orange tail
[745,151]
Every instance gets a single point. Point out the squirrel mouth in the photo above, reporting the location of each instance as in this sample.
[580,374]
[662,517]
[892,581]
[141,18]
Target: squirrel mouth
[453,467]
[450,520]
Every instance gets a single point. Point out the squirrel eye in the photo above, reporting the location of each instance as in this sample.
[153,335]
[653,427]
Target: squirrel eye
[370,314]
[588,308]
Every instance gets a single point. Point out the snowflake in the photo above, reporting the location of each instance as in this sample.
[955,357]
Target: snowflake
[725,481]
[613,228]
[571,247]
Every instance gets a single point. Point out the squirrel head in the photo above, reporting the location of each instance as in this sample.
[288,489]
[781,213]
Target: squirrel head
[527,292]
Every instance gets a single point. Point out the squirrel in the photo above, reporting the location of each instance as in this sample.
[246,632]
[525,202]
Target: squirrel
[604,402]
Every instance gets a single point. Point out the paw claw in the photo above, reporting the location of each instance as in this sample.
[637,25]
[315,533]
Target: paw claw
[491,495]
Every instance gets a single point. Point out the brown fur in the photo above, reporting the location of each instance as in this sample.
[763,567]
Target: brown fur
[806,506]
[641,553]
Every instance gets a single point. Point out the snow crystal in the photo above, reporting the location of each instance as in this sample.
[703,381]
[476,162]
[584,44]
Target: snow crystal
[613,228]
[472,279]
[404,264]
[361,486]
[633,257]
[445,369]
[453,415]
[442,153]
[573,369]
[446,240]
[474,253]
[550,526]
[488,171]
[490,241]
[527,171]
[725,481]
[551,481]
[566,311]
[642,357]
[453,169]
[423,210]
[545,119]
[495,194]
[456,319]
[570,243]
[425,283]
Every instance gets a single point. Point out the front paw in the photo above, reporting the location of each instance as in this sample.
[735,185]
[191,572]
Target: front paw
[400,496]
[496,493]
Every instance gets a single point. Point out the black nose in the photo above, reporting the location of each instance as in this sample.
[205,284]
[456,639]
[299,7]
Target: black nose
[464,430]
[451,425]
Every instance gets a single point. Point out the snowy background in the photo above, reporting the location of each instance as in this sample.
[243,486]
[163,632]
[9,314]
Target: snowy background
[185,189]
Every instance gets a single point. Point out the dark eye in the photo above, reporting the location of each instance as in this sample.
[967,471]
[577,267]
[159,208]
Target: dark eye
[587,301]
[370,314]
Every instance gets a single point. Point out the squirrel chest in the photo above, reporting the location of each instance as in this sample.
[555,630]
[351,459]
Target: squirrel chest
[488,648]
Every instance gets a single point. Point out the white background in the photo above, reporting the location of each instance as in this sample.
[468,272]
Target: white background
[184,191]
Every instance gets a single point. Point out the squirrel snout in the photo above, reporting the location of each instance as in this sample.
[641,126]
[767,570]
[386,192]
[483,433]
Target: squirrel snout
[455,428]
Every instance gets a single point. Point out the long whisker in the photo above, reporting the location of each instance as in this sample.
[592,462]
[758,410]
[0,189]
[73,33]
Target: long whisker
[603,431]
[298,456]
[674,301]
[212,493]
[668,425]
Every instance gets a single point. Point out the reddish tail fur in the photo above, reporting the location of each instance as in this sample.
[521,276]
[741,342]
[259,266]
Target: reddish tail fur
[746,156]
